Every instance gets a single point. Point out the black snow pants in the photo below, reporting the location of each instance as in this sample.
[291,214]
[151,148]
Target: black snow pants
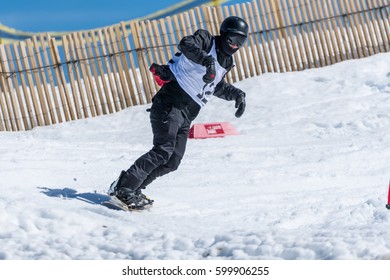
[170,128]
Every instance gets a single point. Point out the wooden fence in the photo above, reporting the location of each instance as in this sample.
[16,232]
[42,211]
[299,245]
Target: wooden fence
[103,71]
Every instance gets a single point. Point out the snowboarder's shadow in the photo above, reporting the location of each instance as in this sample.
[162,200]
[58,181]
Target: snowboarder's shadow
[67,193]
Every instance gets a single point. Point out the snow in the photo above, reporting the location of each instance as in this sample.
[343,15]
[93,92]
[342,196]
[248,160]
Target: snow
[307,178]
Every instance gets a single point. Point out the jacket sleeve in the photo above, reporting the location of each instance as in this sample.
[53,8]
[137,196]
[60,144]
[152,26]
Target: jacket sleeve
[227,91]
[196,47]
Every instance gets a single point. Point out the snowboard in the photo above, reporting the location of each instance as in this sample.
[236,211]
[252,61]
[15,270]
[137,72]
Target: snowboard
[115,204]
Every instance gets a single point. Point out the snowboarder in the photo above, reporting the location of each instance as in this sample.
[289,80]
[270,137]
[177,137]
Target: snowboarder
[188,81]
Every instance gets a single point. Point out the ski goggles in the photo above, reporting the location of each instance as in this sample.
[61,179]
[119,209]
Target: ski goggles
[236,39]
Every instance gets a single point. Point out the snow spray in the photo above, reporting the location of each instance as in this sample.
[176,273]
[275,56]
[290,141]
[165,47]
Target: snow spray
[388,199]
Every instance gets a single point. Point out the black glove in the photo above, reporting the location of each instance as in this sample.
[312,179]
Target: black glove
[240,104]
[209,63]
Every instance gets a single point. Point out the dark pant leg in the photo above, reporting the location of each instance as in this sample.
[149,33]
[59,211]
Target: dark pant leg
[175,160]
[165,126]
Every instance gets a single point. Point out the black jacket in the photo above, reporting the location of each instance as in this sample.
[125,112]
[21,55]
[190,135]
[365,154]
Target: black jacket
[196,47]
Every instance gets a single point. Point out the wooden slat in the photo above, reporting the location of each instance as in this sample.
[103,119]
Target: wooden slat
[183,25]
[307,30]
[209,20]
[337,27]
[26,95]
[125,65]
[220,14]
[166,49]
[50,72]
[173,41]
[108,51]
[301,35]
[355,42]
[120,68]
[148,40]
[379,34]
[193,19]
[292,37]
[331,32]
[292,19]
[132,55]
[206,17]
[10,99]
[249,47]
[199,16]
[94,95]
[71,74]
[322,45]
[383,21]
[93,66]
[307,37]
[257,58]
[316,32]
[4,100]
[216,21]
[244,51]
[386,22]
[31,87]
[365,39]
[101,52]
[149,59]
[280,24]
[123,93]
[16,87]
[98,72]
[11,93]
[349,36]
[35,73]
[354,10]
[150,55]
[153,43]
[177,29]
[271,10]
[376,34]
[264,49]
[43,81]
[328,39]
[268,38]
[162,59]
[369,31]
[85,77]
[143,66]
[2,107]
[81,83]
[152,47]
[189,26]
[65,95]
[334,31]
[134,80]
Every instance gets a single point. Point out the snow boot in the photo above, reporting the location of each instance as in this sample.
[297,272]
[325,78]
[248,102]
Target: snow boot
[134,199]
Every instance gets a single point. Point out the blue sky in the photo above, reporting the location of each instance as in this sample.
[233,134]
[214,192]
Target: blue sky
[69,15]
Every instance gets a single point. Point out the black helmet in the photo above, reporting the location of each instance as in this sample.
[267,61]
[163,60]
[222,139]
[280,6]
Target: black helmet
[235,25]
[234,31]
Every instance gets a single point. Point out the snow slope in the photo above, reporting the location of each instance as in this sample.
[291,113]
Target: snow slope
[306,179]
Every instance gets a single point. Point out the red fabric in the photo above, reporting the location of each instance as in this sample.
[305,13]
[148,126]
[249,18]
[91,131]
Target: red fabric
[157,78]
[159,81]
